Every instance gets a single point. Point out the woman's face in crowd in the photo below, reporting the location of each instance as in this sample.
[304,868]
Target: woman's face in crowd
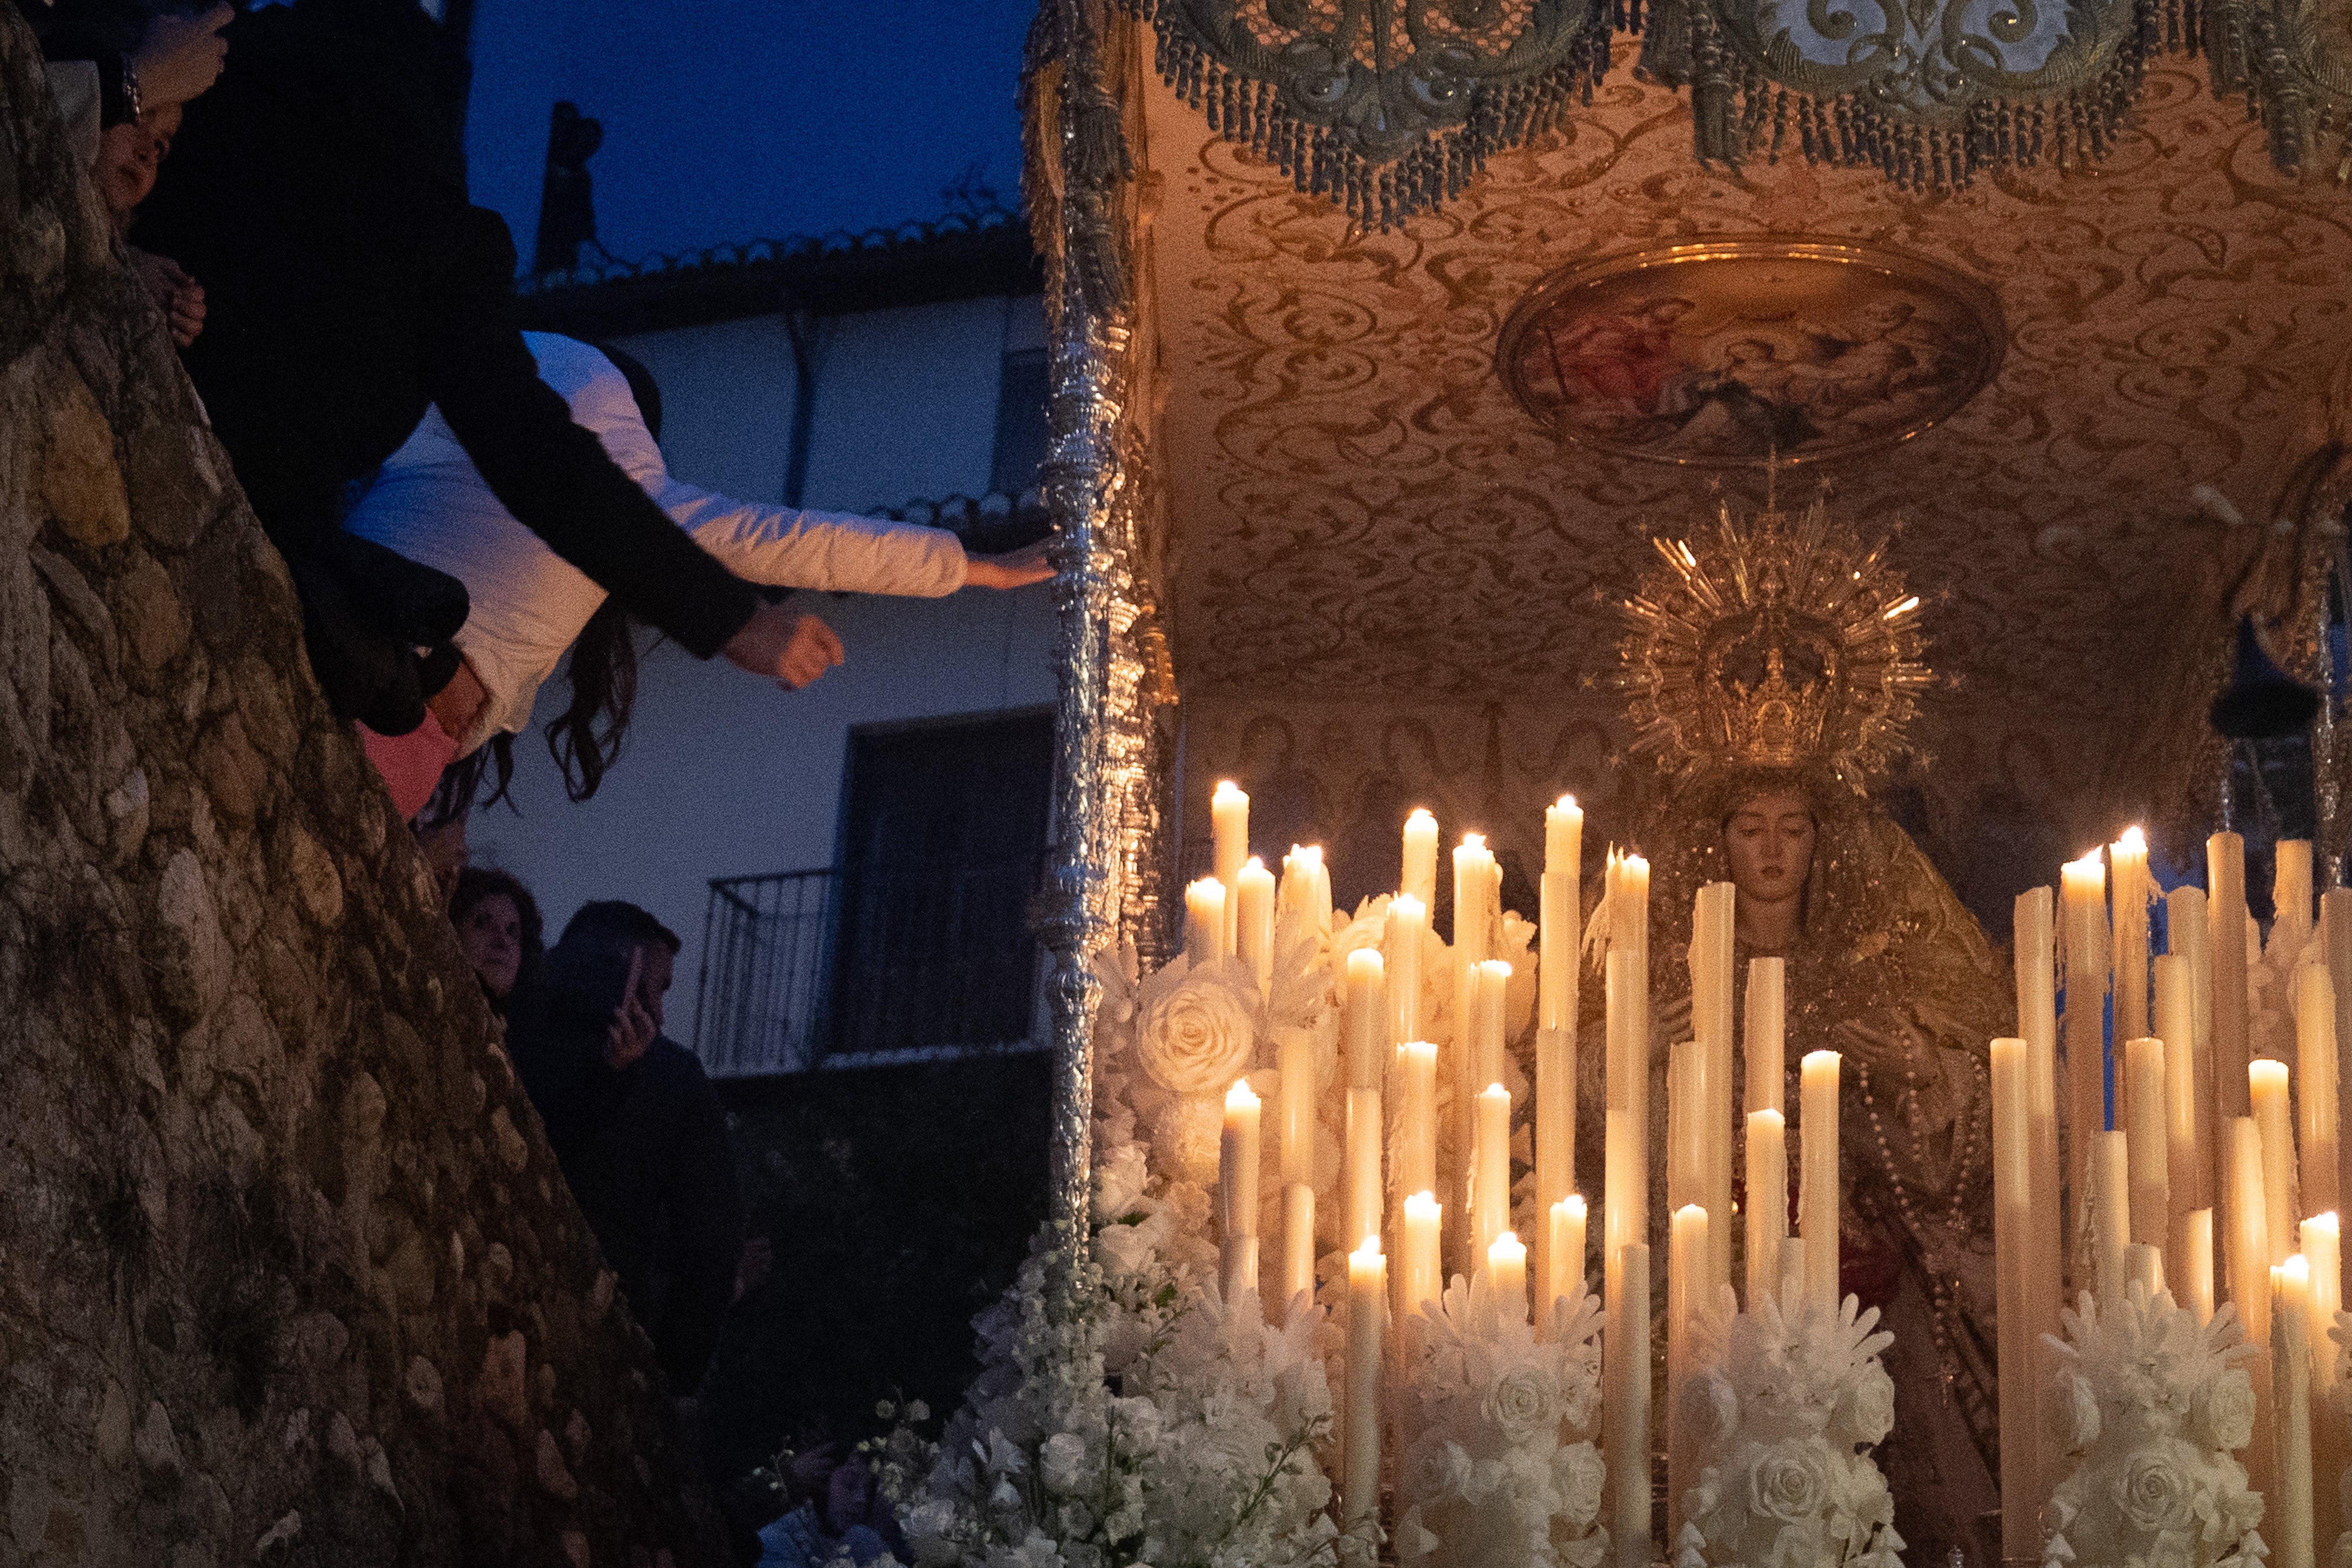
[129,155]
[1769,843]
[491,934]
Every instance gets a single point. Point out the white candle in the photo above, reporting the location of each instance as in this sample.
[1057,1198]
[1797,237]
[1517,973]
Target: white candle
[2193,1282]
[1561,915]
[1792,1275]
[1470,948]
[1767,1055]
[2189,1168]
[1237,1188]
[2037,1024]
[2142,1269]
[1294,1104]
[1563,1258]
[1229,826]
[1364,1022]
[1490,982]
[1417,1116]
[2128,857]
[1297,1243]
[1204,921]
[2110,1211]
[2085,955]
[2249,1232]
[1768,1203]
[2225,872]
[2188,930]
[1254,894]
[2323,1249]
[1687,1273]
[1490,1191]
[1400,952]
[1319,885]
[1419,880]
[2267,1081]
[2150,1145]
[1624,1216]
[1423,1220]
[1363,1163]
[2291,1396]
[1625,1402]
[1556,1009]
[2291,896]
[1367,1307]
[2335,910]
[2012,1181]
[1711,1026]
[1817,1201]
[1506,1273]
[2315,1067]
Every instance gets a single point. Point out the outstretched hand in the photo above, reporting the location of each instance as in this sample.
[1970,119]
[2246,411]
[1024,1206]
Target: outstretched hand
[181,55]
[1016,569]
[791,648]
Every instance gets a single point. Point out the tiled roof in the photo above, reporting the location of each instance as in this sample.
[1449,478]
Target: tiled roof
[970,255]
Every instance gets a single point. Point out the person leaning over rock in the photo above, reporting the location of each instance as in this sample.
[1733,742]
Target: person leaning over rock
[636,1127]
[319,190]
[129,155]
[430,504]
[500,932]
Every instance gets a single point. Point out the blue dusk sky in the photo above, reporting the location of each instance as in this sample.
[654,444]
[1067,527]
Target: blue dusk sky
[728,121]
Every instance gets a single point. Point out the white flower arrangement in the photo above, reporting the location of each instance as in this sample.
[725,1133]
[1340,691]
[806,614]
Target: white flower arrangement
[1780,1408]
[1498,1467]
[2153,1404]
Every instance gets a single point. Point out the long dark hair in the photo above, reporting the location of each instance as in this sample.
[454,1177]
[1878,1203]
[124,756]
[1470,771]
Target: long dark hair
[585,738]
[601,672]
[477,882]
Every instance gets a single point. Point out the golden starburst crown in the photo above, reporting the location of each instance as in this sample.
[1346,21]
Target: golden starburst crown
[1782,645]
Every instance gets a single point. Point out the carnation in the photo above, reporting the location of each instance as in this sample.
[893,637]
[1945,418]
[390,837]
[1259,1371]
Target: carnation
[1868,1412]
[1710,1407]
[2229,1412]
[1579,1476]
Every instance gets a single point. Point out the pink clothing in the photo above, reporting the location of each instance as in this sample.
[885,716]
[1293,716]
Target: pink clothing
[411,764]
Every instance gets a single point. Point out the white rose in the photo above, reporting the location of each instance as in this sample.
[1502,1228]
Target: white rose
[1710,1407]
[1435,1468]
[2228,1414]
[1196,1038]
[1788,1483]
[1868,1409]
[2152,1494]
[1063,1463]
[1579,1476]
[1523,1406]
[2074,1416]
[1135,1424]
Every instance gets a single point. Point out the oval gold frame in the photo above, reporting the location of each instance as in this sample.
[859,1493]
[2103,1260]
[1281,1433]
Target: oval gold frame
[1976,301]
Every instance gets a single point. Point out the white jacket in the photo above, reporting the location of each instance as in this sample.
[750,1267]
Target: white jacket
[429,504]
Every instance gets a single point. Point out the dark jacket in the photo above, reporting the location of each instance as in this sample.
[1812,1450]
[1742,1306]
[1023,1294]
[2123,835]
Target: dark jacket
[646,1152]
[318,194]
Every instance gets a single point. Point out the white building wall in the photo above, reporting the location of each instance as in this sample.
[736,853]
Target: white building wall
[724,774]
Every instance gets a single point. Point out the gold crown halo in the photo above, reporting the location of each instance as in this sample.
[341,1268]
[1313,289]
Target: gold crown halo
[1781,644]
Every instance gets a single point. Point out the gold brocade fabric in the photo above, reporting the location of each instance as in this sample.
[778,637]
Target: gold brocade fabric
[1894,973]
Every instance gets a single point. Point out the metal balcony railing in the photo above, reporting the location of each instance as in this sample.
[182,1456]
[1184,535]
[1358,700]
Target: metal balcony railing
[928,976]
[759,1003]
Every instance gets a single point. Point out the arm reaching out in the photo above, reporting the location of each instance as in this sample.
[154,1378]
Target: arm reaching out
[1016,569]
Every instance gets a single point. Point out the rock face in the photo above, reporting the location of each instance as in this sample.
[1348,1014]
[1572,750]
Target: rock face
[288,1274]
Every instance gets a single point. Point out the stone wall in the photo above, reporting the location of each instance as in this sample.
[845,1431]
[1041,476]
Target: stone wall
[287,1273]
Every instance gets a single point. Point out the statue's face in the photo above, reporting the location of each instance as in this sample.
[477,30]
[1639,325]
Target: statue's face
[1769,843]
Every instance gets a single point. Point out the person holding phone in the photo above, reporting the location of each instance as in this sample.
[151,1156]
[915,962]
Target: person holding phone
[636,1127]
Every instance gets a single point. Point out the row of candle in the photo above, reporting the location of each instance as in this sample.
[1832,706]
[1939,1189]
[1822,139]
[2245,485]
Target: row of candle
[2199,1131]
[1399,1194]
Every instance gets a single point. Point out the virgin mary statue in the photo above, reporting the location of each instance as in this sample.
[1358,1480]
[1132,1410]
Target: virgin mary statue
[1772,670]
